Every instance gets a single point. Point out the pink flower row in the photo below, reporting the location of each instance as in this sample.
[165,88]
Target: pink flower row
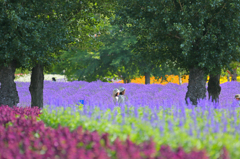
[22,136]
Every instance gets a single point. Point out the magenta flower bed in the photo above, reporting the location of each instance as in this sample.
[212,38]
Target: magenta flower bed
[22,136]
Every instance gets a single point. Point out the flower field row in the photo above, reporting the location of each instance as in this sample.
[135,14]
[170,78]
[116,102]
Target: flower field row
[155,111]
[23,136]
[208,126]
[171,79]
[99,93]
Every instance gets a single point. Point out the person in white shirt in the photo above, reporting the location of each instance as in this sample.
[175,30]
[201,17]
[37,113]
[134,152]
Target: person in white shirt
[115,95]
[121,98]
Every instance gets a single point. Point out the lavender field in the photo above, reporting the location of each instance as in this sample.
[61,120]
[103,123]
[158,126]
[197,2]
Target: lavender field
[99,93]
[151,111]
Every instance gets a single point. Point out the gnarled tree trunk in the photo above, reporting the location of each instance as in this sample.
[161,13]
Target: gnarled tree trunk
[8,90]
[196,86]
[36,86]
[147,78]
[214,88]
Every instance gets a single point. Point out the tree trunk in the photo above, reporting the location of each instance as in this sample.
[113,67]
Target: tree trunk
[180,79]
[196,86]
[234,76]
[147,78]
[214,88]
[126,80]
[228,78]
[8,90]
[36,86]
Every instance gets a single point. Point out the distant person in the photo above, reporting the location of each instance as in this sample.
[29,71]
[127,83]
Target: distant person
[121,98]
[54,79]
[115,95]
[237,97]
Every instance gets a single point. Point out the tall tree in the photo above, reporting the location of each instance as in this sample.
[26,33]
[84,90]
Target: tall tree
[113,58]
[145,65]
[199,35]
[34,33]
[147,57]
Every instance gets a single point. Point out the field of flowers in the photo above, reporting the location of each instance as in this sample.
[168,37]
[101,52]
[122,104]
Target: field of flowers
[22,136]
[140,80]
[156,112]
[172,79]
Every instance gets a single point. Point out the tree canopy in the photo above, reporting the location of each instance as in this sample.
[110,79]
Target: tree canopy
[35,32]
[201,36]
[112,57]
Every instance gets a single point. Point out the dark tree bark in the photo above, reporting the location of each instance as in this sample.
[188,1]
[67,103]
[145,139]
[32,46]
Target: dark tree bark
[147,78]
[234,76]
[8,90]
[36,86]
[196,86]
[214,88]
